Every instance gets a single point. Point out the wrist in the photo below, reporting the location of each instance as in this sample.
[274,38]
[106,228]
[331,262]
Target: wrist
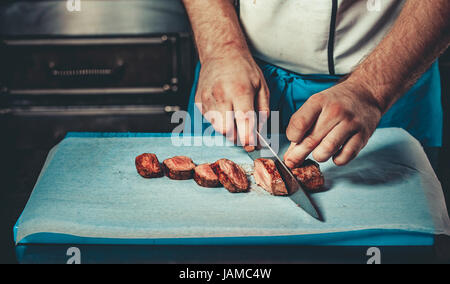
[378,95]
[227,50]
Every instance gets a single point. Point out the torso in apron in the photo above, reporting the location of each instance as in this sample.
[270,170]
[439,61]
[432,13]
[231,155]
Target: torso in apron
[302,42]
[316,36]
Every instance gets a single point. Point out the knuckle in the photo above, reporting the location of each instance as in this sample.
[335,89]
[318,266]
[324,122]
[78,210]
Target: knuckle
[320,156]
[347,115]
[256,80]
[204,95]
[316,98]
[329,146]
[298,123]
[349,150]
[293,160]
[207,100]
[291,135]
[349,153]
[310,143]
[245,115]
[336,110]
[357,123]
[218,92]
[240,89]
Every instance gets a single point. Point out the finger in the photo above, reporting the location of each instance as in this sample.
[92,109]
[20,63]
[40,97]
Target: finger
[246,126]
[230,130]
[263,105]
[245,117]
[303,120]
[234,138]
[221,116]
[199,105]
[300,152]
[225,123]
[204,101]
[331,144]
[231,134]
[296,156]
[350,150]
[292,146]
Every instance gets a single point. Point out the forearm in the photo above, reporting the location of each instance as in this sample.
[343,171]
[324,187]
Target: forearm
[230,81]
[216,28]
[420,35]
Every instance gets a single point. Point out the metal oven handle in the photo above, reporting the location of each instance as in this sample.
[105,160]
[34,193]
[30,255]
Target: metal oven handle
[85,72]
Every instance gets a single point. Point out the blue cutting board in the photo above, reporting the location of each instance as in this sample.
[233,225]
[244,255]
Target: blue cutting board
[90,193]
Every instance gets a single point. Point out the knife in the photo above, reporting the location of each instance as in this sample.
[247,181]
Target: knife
[296,192]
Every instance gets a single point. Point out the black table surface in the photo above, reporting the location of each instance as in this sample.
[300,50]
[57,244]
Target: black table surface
[94,254]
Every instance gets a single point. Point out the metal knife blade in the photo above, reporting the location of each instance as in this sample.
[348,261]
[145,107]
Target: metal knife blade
[297,194]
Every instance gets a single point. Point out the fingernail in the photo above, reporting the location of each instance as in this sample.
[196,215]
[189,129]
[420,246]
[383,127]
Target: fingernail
[249,149]
[289,164]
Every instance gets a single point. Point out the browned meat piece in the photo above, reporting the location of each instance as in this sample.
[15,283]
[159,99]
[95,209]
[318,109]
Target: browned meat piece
[179,167]
[309,175]
[231,175]
[148,166]
[205,176]
[267,176]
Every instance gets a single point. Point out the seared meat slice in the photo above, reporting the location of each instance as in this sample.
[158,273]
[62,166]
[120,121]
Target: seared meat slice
[179,167]
[267,176]
[231,175]
[309,175]
[205,176]
[148,166]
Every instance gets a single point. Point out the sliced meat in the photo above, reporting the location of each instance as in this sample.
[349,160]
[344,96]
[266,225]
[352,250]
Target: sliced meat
[148,166]
[179,167]
[205,176]
[309,175]
[267,176]
[231,175]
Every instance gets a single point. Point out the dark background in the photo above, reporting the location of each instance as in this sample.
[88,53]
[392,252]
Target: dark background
[50,84]
[444,159]
[31,124]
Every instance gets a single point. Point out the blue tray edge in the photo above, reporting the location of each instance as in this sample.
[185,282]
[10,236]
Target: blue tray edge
[373,237]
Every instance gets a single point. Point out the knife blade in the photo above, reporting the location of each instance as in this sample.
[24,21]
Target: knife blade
[296,192]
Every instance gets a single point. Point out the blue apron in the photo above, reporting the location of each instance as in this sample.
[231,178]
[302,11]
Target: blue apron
[419,111]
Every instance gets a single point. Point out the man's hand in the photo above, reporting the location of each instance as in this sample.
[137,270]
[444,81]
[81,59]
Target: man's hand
[336,123]
[232,82]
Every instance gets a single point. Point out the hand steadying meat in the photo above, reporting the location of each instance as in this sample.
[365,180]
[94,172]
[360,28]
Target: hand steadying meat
[338,122]
[343,115]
